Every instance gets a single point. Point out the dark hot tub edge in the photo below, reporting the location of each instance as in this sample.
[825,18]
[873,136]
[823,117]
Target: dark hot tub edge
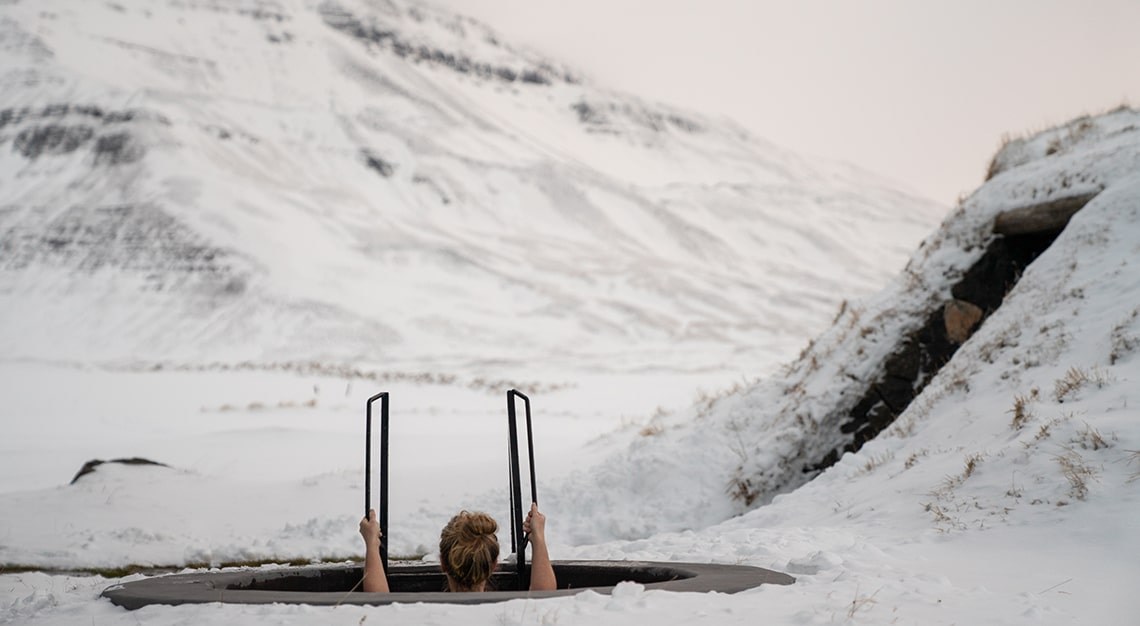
[325,585]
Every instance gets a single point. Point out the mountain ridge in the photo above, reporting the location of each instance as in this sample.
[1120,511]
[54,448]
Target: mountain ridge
[335,180]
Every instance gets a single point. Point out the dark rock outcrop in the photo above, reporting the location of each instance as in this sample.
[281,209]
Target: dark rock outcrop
[389,38]
[117,149]
[1024,234]
[1051,216]
[143,239]
[51,140]
[377,163]
[91,465]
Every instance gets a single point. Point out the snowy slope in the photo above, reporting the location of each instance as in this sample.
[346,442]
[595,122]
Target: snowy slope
[388,184]
[763,440]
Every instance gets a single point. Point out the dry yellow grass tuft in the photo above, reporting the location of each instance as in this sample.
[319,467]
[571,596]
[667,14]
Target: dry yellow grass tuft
[1021,411]
[1134,458]
[1074,380]
[1077,472]
[651,430]
[1090,438]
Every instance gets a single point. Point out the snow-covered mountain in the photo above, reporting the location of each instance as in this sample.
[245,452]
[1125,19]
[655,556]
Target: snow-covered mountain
[382,182]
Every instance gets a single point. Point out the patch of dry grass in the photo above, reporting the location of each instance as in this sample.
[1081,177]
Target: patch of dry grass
[1090,438]
[1022,413]
[860,602]
[912,460]
[1123,342]
[652,430]
[1134,458]
[950,483]
[972,463]
[995,166]
[876,460]
[1076,379]
[1074,132]
[705,400]
[743,490]
[1077,472]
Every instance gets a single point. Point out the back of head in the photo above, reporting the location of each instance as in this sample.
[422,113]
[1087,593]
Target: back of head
[469,549]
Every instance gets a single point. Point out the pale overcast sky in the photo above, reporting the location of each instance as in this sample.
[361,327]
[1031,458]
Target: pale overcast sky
[919,91]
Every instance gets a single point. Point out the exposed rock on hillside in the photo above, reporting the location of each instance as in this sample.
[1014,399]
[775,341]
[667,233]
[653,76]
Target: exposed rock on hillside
[960,276]
[391,38]
[94,464]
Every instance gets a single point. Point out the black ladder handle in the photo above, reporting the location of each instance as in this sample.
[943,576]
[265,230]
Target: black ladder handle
[519,540]
[383,512]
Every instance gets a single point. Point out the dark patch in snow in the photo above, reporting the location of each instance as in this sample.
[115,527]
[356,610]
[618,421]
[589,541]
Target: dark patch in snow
[141,239]
[588,114]
[391,39]
[285,37]
[533,77]
[420,179]
[51,140]
[262,10]
[117,149]
[610,117]
[263,15]
[373,161]
[63,128]
[95,114]
[91,465]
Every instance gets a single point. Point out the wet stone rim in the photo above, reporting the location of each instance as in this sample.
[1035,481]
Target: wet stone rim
[334,584]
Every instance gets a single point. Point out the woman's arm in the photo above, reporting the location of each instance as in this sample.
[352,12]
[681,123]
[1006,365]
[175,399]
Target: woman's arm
[541,572]
[375,580]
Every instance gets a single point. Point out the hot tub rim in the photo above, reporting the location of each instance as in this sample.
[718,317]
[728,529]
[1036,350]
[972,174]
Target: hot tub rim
[214,586]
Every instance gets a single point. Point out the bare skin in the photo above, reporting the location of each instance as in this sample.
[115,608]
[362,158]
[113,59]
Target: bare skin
[453,586]
[375,579]
[541,572]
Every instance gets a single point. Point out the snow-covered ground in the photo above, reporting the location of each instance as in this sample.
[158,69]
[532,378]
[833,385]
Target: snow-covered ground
[958,513]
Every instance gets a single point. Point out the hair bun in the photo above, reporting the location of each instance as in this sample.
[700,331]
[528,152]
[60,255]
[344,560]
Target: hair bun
[469,549]
[479,524]
[474,526]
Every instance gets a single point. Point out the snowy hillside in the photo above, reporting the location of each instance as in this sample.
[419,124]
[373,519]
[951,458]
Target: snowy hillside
[1073,308]
[386,184]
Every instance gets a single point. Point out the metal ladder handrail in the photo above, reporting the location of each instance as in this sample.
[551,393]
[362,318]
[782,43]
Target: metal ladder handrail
[383,510]
[519,539]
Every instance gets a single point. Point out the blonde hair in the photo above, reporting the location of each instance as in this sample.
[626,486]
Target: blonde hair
[469,549]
